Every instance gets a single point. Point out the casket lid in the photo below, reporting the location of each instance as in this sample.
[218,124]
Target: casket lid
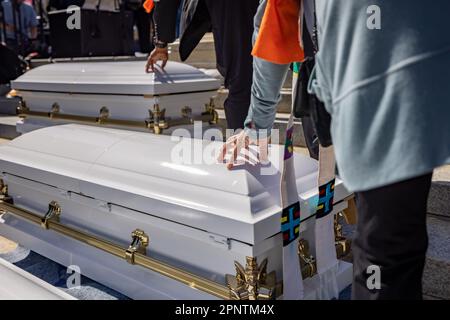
[137,170]
[120,77]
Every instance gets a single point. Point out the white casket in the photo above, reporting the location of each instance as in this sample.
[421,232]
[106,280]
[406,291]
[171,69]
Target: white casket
[116,94]
[79,192]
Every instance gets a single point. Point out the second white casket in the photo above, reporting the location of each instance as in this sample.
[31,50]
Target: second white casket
[200,218]
[115,94]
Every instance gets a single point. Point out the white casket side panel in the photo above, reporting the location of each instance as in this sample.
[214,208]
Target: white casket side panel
[135,170]
[127,78]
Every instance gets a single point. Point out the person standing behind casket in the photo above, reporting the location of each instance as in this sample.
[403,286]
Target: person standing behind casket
[19,35]
[231,22]
[389,100]
[389,125]
[142,20]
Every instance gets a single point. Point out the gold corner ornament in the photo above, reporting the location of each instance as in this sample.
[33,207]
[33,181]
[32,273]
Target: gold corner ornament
[343,245]
[139,244]
[308,264]
[53,213]
[252,282]
[157,119]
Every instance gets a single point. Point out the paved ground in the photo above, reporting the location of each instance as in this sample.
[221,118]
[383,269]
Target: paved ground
[6,245]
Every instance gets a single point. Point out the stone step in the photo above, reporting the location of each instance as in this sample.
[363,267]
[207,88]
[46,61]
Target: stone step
[8,127]
[284,106]
[204,56]
[8,105]
[439,198]
[436,278]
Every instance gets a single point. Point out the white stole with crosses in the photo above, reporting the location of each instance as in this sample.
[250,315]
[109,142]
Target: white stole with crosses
[290,222]
[326,258]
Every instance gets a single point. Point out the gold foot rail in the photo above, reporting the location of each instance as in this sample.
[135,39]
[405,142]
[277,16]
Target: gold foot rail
[135,254]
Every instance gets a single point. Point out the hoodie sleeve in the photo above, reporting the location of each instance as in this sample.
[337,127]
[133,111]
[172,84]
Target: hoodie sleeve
[165,18]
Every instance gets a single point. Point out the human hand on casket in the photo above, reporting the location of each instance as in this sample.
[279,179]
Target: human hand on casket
[240,143]
[158,54]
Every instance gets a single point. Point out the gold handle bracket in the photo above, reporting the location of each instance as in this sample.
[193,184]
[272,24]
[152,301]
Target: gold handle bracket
[139,244]
[343,245]
[53,213]
[22,108]
[308,265]
[54,111]
[103,115]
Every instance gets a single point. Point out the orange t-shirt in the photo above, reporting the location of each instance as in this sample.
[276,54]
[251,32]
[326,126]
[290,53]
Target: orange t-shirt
[278,38]
[148,5]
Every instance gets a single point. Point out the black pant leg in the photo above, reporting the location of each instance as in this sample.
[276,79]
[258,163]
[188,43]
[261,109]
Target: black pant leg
[143,23]
[312,142]
[232,26]
[391,233]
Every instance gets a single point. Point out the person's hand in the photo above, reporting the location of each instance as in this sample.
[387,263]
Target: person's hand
[158,54]
[241,142]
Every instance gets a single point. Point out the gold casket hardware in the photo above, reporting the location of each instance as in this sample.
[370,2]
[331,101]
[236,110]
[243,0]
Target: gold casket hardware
[186,112]
[103,115]
[139,243]
[343,245]
[308,264]
[252,282]
[4,192]
[54,211]
[22,108]
[210,110]
[157,121]
[55,110]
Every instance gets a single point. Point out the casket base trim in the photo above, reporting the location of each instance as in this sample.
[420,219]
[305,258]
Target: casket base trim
[130,254]
[156,122]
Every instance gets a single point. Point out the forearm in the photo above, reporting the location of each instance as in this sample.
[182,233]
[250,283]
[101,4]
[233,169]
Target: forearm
[165,18]
[268,79]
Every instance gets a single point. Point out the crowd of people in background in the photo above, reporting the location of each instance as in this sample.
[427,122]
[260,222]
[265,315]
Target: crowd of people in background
[32,33]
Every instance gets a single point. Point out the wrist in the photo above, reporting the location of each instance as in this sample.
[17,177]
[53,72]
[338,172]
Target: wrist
[160,44]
